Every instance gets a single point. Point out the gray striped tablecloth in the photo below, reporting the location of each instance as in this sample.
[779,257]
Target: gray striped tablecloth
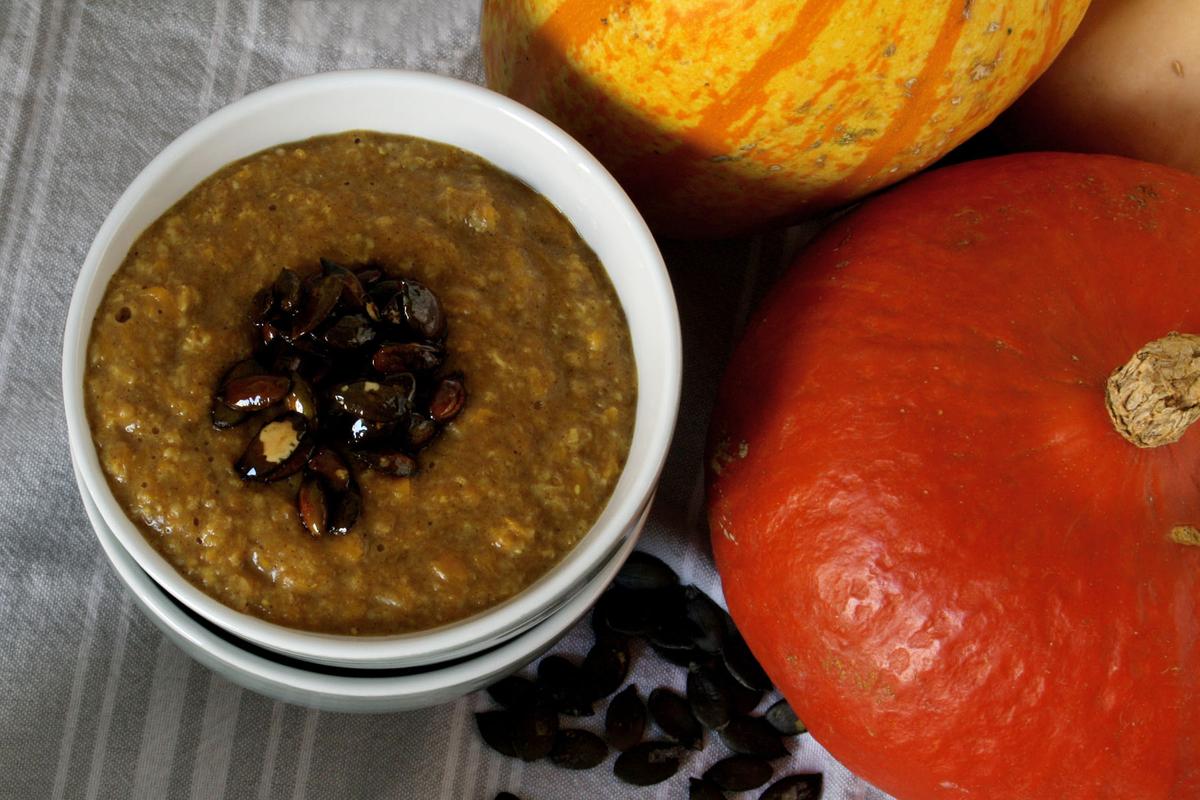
[93,701]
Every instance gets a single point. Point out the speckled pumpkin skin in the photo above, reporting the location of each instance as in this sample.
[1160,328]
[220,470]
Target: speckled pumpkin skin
[928,530]
[718,117]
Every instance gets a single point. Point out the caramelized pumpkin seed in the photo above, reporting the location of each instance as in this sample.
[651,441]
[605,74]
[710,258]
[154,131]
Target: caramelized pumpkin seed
[313,507]
[255,392]
[272,447]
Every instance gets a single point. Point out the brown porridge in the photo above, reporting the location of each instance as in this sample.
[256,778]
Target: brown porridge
[502,494]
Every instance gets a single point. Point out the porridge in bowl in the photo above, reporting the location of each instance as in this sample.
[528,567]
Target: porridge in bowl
[466,494]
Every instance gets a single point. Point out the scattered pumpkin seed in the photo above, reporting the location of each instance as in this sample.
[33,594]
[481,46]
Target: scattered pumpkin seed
[604,667]
[700,789]
[577,749]
[806,786]
[784,720]
[648,763]
[753,736]
[625,721]
[708,696]
[562,683]
[643,571]
[739,773]
[527,734]
[674,717]
[742,664]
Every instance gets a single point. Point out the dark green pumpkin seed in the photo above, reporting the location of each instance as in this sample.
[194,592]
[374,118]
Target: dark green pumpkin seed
[742,664]
[625,613]
[513,692]
[783,719]
[527,735]
[709,621]
[700,789]
[688,658]
[796,787]
[674,717]
[562,684]
[753,736]
[708,696]
[648,763]
[576,749]
[643,571]
[739,773]
[625,720]
[605,667]
[741,699]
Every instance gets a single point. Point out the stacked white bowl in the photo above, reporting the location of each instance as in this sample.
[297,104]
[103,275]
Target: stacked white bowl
[384,673]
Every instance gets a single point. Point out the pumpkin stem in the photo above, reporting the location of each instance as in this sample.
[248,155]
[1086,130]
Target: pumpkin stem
[1155,397]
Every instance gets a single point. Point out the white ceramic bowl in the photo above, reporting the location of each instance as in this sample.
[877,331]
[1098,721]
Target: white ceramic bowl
[360,691]
[516,140]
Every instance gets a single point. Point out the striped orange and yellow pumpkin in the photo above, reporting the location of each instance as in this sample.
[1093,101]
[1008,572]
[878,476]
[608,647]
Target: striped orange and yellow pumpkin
[720,116]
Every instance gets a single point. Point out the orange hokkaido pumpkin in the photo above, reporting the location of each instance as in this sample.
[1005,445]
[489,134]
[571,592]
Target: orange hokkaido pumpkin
[954,498]
[718,117]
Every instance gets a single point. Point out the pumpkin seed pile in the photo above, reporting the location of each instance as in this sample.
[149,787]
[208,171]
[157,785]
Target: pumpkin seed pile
[345,368]
[724,686]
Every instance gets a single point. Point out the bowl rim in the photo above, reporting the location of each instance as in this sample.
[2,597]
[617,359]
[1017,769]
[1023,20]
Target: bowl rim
[483,628]
[328,690]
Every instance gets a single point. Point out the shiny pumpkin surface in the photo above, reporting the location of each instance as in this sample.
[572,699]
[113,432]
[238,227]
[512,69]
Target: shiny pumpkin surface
[719,117]
[959,574]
